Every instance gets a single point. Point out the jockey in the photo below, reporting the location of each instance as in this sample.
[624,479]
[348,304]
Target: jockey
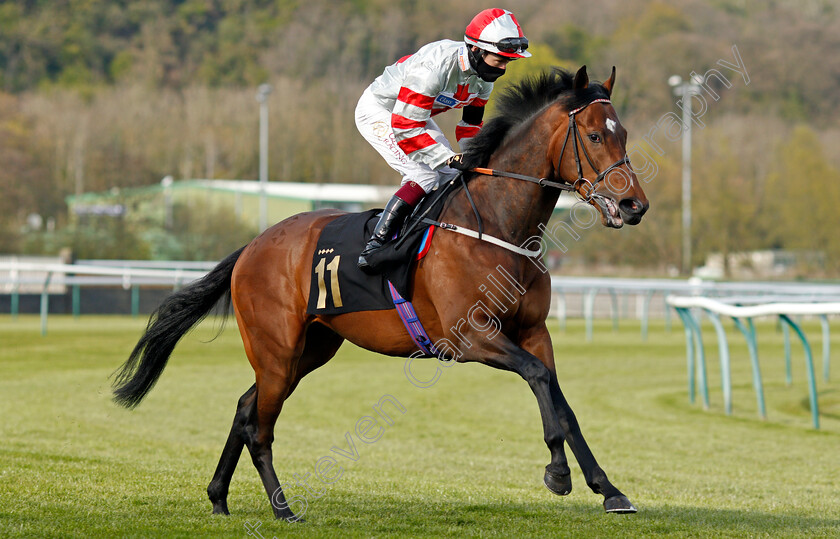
[395,112]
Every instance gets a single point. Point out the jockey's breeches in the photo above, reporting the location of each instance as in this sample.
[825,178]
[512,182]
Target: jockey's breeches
[374,123]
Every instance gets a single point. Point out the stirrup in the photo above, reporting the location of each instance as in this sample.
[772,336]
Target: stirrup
[373,245]
[391,219]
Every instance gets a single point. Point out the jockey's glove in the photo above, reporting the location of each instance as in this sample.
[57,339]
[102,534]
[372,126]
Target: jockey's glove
[457,162]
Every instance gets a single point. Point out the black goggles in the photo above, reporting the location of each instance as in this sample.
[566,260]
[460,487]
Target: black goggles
[508,45]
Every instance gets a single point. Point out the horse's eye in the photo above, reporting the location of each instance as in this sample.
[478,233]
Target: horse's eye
[595,137]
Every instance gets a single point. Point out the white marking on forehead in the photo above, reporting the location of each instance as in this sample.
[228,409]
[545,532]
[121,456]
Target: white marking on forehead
[611,125]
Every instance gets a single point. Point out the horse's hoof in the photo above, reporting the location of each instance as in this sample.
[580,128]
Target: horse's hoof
[560,484]
[619,504]
[220,508]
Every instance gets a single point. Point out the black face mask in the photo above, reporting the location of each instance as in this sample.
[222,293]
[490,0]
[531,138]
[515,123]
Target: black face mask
[484,71]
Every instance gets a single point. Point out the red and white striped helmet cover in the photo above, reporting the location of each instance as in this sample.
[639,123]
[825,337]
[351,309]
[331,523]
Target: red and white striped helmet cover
[494,25]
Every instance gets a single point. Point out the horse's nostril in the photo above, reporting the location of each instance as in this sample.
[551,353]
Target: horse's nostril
[632,206]
[629,205]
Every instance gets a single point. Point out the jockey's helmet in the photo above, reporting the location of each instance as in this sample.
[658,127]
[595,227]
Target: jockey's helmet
[497,31]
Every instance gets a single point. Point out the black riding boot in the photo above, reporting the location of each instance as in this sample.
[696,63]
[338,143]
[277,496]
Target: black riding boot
[395,212]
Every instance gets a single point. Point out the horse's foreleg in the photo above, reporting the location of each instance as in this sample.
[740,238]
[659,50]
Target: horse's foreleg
[513,358]
[557,478]
[596,478]
[217,490]
[538,343]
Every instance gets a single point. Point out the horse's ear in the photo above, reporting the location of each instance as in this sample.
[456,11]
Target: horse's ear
[609,84]
[581,79]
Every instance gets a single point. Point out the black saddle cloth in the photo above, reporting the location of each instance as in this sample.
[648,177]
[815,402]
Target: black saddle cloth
[337,284]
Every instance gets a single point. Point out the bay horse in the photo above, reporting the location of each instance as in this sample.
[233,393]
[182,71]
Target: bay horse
[542,127]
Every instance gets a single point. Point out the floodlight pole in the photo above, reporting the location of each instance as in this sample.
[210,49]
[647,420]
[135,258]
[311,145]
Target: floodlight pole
[686,90]
[166,183]
[262,99]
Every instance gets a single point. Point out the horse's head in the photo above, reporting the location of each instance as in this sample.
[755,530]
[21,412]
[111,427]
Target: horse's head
[589,150]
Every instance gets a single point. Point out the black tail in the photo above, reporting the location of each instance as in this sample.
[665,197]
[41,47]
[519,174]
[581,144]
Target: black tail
[172,320]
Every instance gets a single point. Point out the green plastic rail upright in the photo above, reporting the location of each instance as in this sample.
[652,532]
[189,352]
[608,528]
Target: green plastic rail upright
[77,300]
[749,335]
[135,301]
[723,348]
[689,353]
[45,303]
[809,365]
[826,348]
[15,302]
[589,311]
[788,369]
[693,336]
[646,313]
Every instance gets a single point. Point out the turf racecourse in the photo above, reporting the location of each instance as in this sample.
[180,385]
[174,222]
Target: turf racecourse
[466,458]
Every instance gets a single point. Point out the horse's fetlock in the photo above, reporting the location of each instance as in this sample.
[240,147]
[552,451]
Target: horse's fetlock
[216,491]
[598,482]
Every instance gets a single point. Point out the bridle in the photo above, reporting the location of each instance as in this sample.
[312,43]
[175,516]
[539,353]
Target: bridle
[573,132]
[577,139]
[576,136]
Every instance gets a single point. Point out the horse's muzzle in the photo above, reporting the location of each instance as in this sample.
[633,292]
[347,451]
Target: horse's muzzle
[632,210]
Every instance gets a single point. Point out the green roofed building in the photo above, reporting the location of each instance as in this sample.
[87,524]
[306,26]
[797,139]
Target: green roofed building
[284,199]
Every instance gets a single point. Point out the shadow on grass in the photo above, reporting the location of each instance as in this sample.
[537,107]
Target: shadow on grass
[829,403]
[343,514]
[382,515]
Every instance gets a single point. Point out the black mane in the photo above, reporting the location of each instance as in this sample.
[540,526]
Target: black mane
[521,101]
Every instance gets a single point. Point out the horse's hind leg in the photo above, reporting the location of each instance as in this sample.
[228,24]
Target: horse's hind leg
[217,490]
[275,382]
[321,345]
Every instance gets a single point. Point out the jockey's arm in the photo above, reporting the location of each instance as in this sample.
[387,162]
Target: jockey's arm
[470,124]
[412,110]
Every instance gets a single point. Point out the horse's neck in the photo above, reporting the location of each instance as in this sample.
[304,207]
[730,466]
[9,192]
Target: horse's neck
[511,208]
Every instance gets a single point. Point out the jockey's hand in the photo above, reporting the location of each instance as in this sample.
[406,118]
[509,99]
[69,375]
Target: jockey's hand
[457,162]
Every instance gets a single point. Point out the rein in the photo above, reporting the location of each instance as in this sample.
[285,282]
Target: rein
[576,138]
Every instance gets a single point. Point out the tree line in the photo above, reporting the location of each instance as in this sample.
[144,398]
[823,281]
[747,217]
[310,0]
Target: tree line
[100,94]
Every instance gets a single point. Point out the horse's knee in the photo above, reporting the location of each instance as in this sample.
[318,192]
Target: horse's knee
[534,372]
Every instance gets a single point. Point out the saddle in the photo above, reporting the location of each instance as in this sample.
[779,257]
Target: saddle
[338,286]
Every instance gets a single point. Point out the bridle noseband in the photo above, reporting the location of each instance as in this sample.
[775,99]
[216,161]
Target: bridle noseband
[576,136]
[574,132]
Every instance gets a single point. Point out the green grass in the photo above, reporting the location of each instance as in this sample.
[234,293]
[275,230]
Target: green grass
[466,458]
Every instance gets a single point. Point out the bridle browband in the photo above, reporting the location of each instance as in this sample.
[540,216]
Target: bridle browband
[574,132]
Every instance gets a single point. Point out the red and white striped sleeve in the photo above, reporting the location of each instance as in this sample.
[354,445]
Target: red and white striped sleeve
[471,121]
[465,131]
[412,110]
